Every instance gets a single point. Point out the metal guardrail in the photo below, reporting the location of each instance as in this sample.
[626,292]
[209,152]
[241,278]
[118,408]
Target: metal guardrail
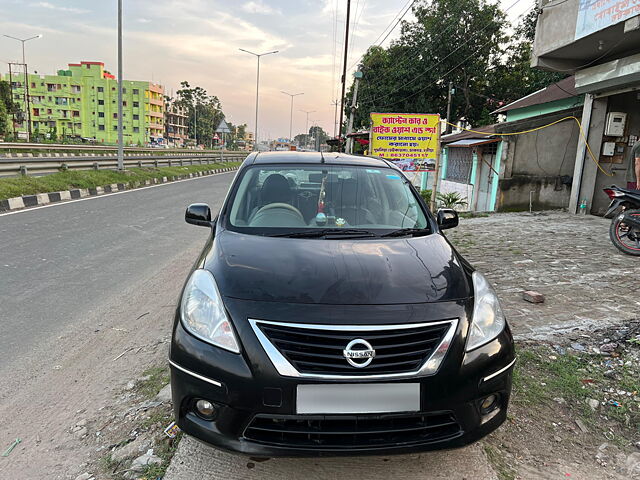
[17,146]
[10,166]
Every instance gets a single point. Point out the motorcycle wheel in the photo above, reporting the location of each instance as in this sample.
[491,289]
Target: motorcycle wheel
[625,238]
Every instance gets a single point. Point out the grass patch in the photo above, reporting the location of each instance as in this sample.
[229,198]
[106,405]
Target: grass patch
[500,466]
[159,416]
[156,378]
[538,379]
[65,180]
[165,449]
[473,214]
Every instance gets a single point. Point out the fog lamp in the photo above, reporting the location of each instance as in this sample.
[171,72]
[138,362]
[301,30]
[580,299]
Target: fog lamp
[205,408]
[489,403]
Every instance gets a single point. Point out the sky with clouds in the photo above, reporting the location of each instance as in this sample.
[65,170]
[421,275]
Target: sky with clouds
[168,41]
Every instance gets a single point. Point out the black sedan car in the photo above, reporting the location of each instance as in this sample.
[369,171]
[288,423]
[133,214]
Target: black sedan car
[328,315]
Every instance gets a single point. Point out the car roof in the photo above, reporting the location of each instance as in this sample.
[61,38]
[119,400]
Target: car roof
[329,158]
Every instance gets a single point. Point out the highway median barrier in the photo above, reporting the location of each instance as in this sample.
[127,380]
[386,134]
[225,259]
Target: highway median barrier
[84,184]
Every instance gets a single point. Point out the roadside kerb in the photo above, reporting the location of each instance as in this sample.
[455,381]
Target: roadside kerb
[40,199]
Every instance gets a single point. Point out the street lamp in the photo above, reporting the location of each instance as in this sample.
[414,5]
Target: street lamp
[120,83]
[258,55]
[292,95]
[26,81]
[306,128]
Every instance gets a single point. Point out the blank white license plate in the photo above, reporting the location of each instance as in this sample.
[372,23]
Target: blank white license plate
[358,398]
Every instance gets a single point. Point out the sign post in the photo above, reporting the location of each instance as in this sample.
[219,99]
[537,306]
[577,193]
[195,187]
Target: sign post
[436,180]
[222,129]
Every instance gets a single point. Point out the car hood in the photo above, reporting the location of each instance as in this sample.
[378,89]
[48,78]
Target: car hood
[338,272]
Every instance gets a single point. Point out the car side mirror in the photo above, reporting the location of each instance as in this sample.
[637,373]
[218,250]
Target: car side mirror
[198,214]
[447,218]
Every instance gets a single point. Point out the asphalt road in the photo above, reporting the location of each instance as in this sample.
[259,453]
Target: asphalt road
[60,263]
[66,266]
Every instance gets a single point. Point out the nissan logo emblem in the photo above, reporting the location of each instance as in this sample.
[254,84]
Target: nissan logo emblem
[359,353]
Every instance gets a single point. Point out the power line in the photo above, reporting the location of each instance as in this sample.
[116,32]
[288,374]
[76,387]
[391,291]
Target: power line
[409,4]
[451,70]
[356,23]
[447,56]
[407,57]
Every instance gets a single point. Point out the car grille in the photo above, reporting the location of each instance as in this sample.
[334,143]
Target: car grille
[347,431]
[319,352]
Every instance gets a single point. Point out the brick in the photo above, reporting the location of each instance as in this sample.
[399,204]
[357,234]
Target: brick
[533,297]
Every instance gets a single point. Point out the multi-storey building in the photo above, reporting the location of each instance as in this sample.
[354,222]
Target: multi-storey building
[176,122]
[599,42]
[82,101]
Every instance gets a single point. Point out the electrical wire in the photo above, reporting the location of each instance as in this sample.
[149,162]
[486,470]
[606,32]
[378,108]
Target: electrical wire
[405,58]
[406,8]
[356,23]
[443,59]
[571,70]
[584,137]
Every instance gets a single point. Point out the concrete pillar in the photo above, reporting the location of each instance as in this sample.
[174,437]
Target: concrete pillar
[473,201]
[496,178]
[586,171]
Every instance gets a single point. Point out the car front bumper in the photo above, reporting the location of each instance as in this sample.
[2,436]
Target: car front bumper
[245,392]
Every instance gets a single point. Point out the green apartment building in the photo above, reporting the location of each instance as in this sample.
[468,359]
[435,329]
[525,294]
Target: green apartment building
[82,101]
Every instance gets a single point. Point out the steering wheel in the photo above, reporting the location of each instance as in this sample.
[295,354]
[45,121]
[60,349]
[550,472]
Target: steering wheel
[285,206]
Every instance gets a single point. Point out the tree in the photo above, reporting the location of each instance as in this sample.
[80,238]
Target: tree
[7,107]
[466,42]
[450,40]
[514,78]
[318,136]
[205,112]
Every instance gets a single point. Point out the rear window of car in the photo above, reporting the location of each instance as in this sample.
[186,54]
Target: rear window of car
[279,198]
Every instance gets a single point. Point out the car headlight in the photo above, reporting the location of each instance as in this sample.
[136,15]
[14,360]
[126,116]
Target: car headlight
[203,314]
[488,320]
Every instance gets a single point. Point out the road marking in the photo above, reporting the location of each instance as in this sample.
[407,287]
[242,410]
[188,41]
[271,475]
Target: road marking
[57,204]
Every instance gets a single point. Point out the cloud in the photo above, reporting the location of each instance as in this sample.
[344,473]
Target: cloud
[143,20]
[51,6]
[259,7]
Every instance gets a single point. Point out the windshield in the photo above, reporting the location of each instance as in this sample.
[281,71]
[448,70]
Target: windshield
[334,199]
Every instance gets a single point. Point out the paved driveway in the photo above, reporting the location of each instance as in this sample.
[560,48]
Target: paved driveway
[569,259]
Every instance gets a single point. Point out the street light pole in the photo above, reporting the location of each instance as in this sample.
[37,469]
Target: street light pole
[120,133]
[291,117]
[335,103]
[258,55]
[344,68]
[27,102]
[306,128]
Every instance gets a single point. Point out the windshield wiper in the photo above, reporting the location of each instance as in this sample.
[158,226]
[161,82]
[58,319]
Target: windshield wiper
[403,232]
[318,233]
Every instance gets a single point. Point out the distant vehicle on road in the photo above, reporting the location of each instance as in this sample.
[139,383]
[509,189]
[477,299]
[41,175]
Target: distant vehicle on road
[329,315]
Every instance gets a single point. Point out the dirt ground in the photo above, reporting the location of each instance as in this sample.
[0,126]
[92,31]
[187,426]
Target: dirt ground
[86,403]
[70,402]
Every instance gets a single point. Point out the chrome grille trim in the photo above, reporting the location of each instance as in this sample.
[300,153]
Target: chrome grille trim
[284,367]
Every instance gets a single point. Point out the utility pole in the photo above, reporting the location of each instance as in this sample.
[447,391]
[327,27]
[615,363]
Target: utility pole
[13,112]
[354,102]
[27,102]
[258,55]
[335,103]
[291,117]
[447,130]
[344,66]
[195,121]
[306,127]
[120,135]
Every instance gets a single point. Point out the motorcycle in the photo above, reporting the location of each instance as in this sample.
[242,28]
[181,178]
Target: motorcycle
[625,226]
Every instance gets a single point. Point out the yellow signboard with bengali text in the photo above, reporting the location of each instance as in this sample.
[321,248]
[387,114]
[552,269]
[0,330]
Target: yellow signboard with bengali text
[410,140]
